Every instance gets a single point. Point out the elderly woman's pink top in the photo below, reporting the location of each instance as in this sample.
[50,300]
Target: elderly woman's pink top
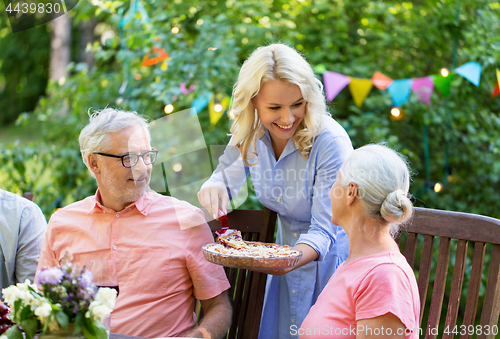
[363,289]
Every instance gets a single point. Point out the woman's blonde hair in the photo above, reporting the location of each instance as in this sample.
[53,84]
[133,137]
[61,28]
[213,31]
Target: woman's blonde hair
[273,62]
[383,181]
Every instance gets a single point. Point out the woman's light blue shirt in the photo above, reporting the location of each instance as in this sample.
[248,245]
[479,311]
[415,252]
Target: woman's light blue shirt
[298,190]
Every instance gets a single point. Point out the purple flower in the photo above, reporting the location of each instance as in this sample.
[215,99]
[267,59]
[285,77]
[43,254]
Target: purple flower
[52,276]
[86,279]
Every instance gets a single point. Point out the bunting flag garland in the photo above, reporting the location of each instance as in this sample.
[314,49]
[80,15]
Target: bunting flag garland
[334,83]
[380,80]
[423,88]
[470,71]
[359,89]
[400,91]
[443,84]
[200,102]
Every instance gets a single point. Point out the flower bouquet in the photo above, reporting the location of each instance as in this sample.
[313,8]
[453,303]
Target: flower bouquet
[64,299]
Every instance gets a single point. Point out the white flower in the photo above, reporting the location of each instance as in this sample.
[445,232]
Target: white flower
[43,311]
[106,296]
[98,310]
[35,302]
[19,292]
[11,294]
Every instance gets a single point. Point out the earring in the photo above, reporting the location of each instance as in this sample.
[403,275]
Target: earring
[255,111]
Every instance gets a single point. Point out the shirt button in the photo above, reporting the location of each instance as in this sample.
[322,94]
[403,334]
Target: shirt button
[295,235]
[292,321]
[117,215]
[278,200]
[293,292]
[114,247]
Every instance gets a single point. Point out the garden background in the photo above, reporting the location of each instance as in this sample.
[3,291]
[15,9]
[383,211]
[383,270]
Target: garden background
[135,55]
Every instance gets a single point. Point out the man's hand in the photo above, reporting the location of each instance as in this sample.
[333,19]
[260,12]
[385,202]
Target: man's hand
[216,320]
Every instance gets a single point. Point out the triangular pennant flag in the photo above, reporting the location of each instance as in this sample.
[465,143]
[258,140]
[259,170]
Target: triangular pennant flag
[334,83]
[142,12]
[162,55]
[498,77]
[214,116]
[380,80]
[149,62]
[200,102]
[185,90]
[225,102]
[400,91]
[423,87]
[359,89]
[443,84]
[496,90]
[470,71]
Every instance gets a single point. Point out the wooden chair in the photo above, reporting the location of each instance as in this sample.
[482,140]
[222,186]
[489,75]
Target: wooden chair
[247,287]
[464,239]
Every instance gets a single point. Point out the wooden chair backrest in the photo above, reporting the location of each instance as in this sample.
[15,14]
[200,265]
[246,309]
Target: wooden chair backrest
[247,287]
[465,240]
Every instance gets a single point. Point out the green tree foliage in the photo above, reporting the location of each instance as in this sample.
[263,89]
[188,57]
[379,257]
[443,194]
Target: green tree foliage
[24,60]
[356,37]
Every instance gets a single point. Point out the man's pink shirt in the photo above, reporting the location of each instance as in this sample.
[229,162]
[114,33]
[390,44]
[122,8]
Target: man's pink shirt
[156,243]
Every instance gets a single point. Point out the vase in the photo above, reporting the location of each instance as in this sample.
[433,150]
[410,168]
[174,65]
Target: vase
[62,333]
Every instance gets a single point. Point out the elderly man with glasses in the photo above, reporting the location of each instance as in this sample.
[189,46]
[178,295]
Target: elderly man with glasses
[155,240]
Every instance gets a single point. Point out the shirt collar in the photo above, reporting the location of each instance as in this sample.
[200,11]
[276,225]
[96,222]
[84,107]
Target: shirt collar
[143,204]
[289,148]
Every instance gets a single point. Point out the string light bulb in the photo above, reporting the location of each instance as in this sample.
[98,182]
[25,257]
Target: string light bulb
[177,167]
[138,76]
[445,72]
[169,108]
[175,30]
[230,114]
[217,107]
[395,112]
[438,187]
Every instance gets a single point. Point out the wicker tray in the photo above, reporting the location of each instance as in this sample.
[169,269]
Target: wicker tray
[245,262]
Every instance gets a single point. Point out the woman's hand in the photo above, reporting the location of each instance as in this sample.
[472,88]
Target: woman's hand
[214,198]
[308,255]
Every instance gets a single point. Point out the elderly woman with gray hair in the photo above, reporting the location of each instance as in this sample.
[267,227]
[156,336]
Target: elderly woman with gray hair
[374,293]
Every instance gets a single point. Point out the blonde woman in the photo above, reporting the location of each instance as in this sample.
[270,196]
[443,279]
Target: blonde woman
[285,139]
[374,293]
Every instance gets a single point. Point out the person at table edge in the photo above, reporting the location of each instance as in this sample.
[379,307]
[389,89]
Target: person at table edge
[155,240]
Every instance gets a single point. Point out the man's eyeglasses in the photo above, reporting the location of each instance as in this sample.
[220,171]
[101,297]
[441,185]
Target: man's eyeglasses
[130,160]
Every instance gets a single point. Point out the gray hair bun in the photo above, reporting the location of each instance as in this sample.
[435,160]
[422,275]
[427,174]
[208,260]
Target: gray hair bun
[397,207]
